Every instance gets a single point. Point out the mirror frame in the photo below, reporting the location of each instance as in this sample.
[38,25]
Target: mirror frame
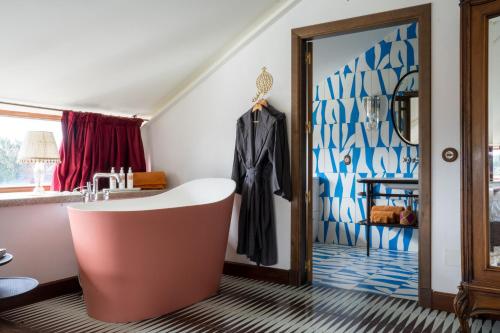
[392,109]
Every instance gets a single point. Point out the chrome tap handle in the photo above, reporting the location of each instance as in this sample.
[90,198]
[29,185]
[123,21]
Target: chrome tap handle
[105,194]
[84,191]
[93,195]
[95,187]
[86,195]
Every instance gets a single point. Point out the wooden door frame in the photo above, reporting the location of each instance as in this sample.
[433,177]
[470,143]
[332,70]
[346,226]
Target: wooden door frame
[300,210]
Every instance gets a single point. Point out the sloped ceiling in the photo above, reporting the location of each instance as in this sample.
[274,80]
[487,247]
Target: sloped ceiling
[121,56]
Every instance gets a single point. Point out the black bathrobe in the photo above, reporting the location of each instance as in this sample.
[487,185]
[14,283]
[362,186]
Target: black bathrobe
[261,167]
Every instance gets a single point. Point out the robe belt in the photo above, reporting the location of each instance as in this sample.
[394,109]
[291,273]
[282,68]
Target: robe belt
[253,173]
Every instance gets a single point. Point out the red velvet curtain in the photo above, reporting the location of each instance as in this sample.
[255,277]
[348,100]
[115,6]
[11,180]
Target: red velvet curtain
[93,143]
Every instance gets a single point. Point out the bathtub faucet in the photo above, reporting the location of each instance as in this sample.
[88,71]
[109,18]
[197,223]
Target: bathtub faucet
[94,194]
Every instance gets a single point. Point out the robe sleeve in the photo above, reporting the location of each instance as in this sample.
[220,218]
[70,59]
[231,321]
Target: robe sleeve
[281,161]
[239,170]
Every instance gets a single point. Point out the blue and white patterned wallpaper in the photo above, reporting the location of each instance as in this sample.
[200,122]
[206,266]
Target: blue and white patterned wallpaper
[340,127]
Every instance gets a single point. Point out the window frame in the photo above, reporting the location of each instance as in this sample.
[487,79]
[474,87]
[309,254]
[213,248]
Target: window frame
[28,115]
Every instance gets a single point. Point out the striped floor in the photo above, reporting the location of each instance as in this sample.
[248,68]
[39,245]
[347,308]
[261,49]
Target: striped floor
[385,272]
[252,306]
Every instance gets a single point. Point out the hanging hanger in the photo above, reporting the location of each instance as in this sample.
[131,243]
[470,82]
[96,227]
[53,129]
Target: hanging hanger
[256,108]
[259,104]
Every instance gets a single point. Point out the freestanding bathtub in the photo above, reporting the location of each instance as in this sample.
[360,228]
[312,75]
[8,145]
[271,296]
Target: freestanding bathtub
[142,258]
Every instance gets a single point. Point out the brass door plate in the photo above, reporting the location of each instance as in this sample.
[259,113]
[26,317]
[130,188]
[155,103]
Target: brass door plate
[450,154]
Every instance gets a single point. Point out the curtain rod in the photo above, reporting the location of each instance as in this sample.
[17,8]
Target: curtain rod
[47,108]
[31,106]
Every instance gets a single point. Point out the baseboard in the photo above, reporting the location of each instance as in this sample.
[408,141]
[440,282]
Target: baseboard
[42,292]
[442,301]
[257,272]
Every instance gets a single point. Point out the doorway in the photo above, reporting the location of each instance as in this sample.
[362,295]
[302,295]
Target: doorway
[355,154]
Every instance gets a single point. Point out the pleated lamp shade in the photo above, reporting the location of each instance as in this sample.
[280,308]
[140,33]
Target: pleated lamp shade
[38,147]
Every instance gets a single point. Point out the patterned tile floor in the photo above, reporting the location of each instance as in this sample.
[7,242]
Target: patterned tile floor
[385,272]
[254,306]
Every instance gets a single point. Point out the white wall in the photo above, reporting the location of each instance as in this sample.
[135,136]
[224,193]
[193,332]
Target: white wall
[147,147]
[195,137]
[39,237]
[330,53]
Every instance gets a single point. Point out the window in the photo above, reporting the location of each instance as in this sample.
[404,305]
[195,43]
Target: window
[13,126]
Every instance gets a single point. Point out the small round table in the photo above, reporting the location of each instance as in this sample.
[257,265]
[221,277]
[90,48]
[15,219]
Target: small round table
[14,286]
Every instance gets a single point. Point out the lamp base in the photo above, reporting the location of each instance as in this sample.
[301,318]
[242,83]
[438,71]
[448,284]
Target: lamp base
[38,172]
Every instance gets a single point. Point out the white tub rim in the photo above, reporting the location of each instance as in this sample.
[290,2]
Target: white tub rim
[177,197]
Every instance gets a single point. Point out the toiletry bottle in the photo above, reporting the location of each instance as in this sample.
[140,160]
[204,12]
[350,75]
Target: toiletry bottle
[112,180]
[130,179]
[122,179]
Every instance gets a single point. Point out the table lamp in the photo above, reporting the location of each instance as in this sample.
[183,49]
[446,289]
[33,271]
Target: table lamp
[38,148]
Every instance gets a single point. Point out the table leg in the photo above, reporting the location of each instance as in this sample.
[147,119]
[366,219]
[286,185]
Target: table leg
[367,240]
[369,194]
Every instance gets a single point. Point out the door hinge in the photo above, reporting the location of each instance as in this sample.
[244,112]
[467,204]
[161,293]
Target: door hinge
[308,265]
[308,58]
[308,127]
[308,197]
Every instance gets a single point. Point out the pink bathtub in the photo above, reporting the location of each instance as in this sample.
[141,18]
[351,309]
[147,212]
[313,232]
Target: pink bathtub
[142,258]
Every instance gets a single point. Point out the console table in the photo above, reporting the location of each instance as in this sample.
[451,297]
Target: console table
[370,195]
[14,286]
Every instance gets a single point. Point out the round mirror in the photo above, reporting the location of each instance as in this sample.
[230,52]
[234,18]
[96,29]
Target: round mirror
[405,108]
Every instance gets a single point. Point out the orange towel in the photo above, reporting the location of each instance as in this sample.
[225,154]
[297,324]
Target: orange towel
[397,210]
[150,180]
[383,217]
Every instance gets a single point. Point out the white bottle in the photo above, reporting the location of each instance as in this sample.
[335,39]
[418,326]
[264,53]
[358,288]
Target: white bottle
[112,180]
[130,179]
[121,185]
